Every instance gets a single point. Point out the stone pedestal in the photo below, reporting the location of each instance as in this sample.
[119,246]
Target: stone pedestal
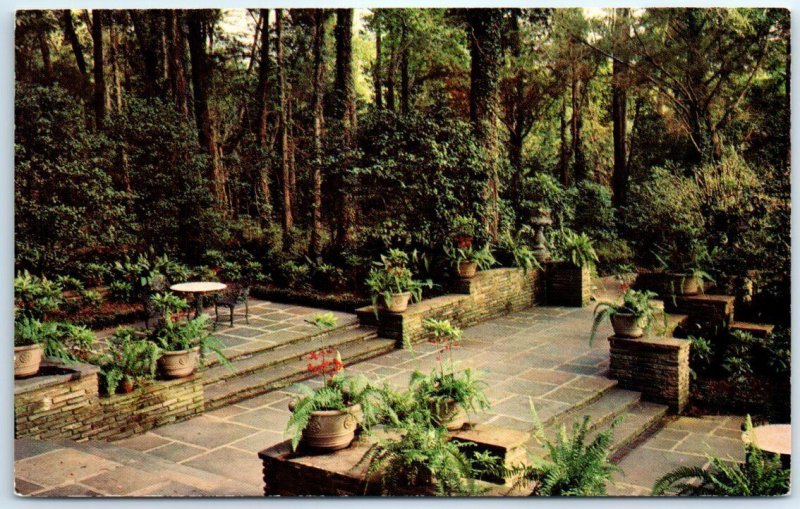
[656,367]
[568,285]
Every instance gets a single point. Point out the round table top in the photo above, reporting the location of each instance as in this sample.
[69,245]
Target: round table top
[198,287]
[774,438]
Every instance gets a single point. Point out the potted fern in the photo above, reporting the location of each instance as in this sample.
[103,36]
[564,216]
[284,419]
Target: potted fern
[392,284]
[325,419]
[468,260]
[570,278]
[183,344]
[35,339]
[630,319]
[448,393]
[130,361]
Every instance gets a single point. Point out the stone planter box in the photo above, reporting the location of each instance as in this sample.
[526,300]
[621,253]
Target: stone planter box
[568,285]
[339,473]
[63,402]
[656,367]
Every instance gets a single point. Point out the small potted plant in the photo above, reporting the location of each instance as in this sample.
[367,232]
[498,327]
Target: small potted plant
[34,339]
[183,344]
[468,260]
[130,361]
[463,229]
[631,318]
[326,418]
[392,284]
[449,394]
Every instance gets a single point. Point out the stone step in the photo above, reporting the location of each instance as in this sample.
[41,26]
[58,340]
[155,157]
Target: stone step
[707,308]
[666,324]
[247,364]
[601,411]
[276,376]
[136,472]
[759,330]
[254,347]
[637,424]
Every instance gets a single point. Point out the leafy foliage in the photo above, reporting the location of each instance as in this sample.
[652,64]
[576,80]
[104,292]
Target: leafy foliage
[573,467]
[575,248]
[129,358]
[341,392]
[634,302]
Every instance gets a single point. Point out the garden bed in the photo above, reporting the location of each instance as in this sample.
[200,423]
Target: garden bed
[338,301]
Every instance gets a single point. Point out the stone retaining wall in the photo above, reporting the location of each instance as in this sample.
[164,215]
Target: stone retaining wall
[66,405]
[490,293]
[656,367]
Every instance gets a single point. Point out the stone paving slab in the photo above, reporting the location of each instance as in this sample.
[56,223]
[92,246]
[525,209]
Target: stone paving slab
[683,441]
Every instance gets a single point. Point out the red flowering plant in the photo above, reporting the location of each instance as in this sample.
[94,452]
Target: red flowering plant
[444,388]
[354,395]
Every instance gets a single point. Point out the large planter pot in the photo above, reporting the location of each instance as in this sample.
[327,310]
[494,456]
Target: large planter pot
[27,360]
[178,364]
[683,284]
[627,325]
[467,270]
[398,302]
[331,430]
[450,414]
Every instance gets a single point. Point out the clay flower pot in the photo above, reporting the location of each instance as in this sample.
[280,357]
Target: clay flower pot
[450,414]
[627,325]
[27,360]
[467,270]
[126,385]
[398,302]
[331,430]
[683,284]
[178,364]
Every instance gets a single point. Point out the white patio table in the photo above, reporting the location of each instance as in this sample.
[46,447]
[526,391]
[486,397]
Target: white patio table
[198,289]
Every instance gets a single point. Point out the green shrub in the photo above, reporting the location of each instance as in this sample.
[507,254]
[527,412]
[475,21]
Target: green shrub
[36,296]
[128,358]
[594,213]
[543,191]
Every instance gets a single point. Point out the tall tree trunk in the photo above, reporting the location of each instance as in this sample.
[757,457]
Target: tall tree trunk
[404,91]
[44,48]
[144,29]
[201,84]
[72,37]
[565,150]
[176,61]
[114,61]
[376,70]
[485,36]
[619,109]
[284,127]
[99,75]
[262,98]
[345,103]
[518,113]
[319,121]
[577,128]
[390,77]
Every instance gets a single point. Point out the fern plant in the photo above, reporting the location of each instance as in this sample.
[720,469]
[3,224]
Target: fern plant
[482,257]
[576,248]
[421,456]
[634,302]
[573,467]
[340,392]
[324,321]
[516,248]
[129,358]
[760,475]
